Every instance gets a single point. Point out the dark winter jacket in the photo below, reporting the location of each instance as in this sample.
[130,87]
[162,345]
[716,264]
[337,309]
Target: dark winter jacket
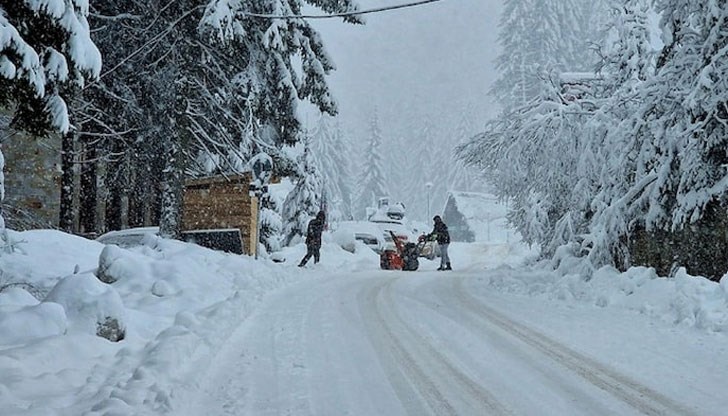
[315,228]
[440,233]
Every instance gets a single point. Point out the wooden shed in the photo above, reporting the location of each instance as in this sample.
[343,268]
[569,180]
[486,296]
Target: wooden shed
[220,203]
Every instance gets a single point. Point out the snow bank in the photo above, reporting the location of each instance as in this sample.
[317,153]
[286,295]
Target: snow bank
[88,302]
[24,319]
[177,303]
[682,300]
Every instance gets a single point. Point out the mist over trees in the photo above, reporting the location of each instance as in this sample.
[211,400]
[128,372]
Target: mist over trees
[372,183]
[400,162]
[332,151]
[625,164]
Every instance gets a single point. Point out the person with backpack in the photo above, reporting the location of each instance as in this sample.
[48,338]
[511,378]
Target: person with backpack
[313,239]
[442,236]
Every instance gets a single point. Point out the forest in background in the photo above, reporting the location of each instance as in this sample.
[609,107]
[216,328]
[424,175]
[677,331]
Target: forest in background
[622,162]
[609,145]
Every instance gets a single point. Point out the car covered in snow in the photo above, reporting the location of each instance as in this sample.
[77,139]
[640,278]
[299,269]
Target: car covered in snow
[402,232]
[131,237]
[347,233]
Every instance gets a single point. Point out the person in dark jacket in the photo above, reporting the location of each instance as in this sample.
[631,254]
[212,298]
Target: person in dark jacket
[313,239]
[442,236]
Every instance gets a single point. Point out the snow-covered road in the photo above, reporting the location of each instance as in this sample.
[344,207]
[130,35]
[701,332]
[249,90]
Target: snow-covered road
[398,343]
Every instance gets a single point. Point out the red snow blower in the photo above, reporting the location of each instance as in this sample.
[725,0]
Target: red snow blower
[405,257]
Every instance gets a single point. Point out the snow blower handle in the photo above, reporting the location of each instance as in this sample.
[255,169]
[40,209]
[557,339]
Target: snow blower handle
[397,243]
[427,237]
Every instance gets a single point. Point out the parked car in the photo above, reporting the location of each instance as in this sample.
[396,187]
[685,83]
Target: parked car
[347,232]
[227,239]
[402,232]
[130,237]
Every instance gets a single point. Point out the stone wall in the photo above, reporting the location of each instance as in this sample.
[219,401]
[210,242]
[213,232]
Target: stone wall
[702,248]
[32,178]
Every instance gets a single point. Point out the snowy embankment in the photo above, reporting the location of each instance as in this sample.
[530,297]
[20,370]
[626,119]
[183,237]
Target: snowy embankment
[682,300]
[177,305]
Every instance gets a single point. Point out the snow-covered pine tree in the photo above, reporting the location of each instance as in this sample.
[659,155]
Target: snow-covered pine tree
[537,37]
[270,79]
[627,63]
[684,140]
[331,156]
[579,31]
[45,51]
[696,126]
[400,161]
[220,69]
[515,63]
[3,231]
[436,143]
[460,176]
[372,182]
[305,200]
[538,157]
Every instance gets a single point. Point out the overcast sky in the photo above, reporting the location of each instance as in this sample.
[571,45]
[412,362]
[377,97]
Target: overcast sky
[433,59]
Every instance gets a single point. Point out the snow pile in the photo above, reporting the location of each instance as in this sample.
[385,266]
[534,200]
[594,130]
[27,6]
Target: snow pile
[170,308]
[24,319]
[682,300]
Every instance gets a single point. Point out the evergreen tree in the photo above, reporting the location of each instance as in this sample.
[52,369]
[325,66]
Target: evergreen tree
[691,126]
[331,156]
[516,63]
[372,181]
[631,162]
[628,61]
[201,80]
[304,201]
[45,54]
[462,177]
[539,158]
[536,38]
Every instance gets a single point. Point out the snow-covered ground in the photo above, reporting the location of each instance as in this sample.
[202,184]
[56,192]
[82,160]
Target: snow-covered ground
[218,334]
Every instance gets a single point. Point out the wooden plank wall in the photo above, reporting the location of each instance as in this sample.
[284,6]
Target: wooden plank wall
[221,202]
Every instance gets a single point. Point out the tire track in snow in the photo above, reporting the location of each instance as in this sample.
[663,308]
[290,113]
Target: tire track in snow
[507,345]
[413,363]
[638,396]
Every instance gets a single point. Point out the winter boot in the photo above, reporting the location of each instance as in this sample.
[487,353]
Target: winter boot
[441,268]
[447,267]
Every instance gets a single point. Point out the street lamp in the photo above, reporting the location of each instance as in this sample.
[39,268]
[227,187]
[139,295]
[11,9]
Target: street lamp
[428,186]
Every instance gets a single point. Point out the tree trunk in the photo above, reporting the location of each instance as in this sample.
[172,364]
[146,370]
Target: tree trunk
[171,212]
[2,192]
[170,220]
[102,193]
[88,192]
[66,215]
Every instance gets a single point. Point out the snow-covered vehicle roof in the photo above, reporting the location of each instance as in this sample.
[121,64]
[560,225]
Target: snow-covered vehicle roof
[130,237]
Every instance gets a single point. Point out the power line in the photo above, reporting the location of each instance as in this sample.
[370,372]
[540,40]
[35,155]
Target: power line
[347,14]
[262,16]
